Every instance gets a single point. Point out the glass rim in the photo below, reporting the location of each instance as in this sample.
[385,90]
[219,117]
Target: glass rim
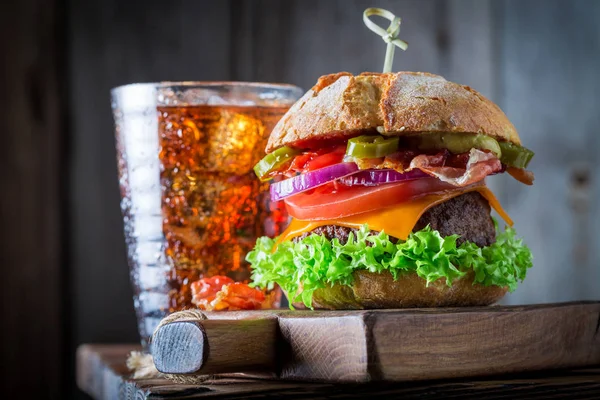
[208,84]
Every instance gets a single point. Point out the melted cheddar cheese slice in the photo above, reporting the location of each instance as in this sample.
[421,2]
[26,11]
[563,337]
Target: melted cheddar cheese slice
[397,221]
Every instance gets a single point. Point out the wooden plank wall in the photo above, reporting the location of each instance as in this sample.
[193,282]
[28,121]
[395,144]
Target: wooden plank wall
[31,199]
[549,86]
[537,59]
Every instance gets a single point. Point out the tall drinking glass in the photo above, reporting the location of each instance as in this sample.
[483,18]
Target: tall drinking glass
[191,204]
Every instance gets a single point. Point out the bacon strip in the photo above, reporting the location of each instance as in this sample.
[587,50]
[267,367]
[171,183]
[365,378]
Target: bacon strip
[522,175]
[457,169]
[479,165]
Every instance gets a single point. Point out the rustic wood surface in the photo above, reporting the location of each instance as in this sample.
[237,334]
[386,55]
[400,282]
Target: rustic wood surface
[101,373]
[32,179]
[391,345]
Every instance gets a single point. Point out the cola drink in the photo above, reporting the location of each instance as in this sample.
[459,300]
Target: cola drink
[192,206]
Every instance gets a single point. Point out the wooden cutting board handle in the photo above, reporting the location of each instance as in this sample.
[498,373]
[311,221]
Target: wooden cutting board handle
[215,346]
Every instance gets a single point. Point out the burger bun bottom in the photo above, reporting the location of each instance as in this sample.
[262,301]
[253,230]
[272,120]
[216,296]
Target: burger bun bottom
[379,290]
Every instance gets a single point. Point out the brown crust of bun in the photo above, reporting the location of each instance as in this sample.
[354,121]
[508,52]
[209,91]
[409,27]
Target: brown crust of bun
[372,290]
[397,103]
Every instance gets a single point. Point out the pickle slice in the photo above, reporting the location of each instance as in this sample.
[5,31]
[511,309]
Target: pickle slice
[514,155]
[273,161]
[459,142]
[509,153]
[371,146]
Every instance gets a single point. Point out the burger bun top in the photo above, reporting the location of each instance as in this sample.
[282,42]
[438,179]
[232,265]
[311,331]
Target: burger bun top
[395,104]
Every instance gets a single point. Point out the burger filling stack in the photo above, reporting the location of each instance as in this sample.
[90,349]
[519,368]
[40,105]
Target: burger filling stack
[384,175]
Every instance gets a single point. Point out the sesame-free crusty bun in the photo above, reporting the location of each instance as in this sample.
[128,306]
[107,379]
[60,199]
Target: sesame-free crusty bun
[379,290]
[393,103]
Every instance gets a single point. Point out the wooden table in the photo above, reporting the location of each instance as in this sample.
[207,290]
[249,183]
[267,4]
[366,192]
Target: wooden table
[101,372]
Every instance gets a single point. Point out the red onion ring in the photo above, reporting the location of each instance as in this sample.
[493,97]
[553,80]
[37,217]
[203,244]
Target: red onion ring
[310,180]
[374,177]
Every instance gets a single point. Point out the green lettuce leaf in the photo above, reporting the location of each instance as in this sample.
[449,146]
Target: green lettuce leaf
[316,262]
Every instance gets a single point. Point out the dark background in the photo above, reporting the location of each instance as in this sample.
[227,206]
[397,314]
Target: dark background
[64,272]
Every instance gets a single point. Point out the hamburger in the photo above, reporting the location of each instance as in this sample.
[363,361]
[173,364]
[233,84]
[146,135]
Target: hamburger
[383,175]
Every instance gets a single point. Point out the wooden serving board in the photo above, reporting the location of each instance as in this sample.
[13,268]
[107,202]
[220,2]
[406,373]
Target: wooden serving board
[101,372]
[383,345]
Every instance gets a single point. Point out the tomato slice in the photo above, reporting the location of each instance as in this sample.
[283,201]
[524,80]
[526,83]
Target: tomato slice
[321,204]
[222,293]
[312,160]
[300,161]
[325,160]
[207,288]
[241,296]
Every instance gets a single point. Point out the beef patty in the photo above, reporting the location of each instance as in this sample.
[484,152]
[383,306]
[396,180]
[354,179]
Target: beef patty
[467,215]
